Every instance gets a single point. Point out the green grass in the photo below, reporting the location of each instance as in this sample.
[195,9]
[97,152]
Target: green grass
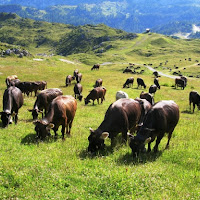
[56,169]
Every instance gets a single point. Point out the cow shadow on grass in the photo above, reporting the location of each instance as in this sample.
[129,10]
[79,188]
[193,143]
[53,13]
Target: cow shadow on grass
[32,139]
[143,158]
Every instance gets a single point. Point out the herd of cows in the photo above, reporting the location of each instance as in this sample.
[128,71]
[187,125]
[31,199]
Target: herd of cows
[150,120]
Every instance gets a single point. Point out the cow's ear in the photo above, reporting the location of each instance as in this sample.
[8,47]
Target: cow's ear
[36,122]
[129,135]
[104,135]
[147,140]
[51,125]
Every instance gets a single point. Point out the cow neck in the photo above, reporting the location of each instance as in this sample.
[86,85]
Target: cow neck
[49,117]
[8,102]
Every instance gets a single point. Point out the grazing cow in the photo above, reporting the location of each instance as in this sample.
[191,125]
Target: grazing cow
[76,71]
[156,82]
[9,79]
[43,101]
[147,96]
[185,79]
[194,98]
[77,91]
[127,70]
[162,118]
[95,66]
[129,82]
[121,116]
[179,83]
[98,83]
[155,73]
[152,89]
[78,77]
[141,83]
[12,102]
[29,87]
[61,112]
[95,94]
[68,80]
[121,94]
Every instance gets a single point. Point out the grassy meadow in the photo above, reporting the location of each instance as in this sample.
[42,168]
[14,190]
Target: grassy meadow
[57,169]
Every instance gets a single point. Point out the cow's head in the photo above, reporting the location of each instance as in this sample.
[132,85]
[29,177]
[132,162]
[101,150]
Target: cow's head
[35,113]
[137,144]
[80,97]
[6,118]
[86,101]
[42,129]
[96,140]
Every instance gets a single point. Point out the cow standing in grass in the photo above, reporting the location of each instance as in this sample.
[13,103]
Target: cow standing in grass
[194,98]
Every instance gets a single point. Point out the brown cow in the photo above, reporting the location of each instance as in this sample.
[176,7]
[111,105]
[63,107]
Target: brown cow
[61,112]
[77,91]
[43,101]
[76,71]
[78,77]
[68,80]
[162,118]
[121,116]
[95,94]
[98,83]
[194,98]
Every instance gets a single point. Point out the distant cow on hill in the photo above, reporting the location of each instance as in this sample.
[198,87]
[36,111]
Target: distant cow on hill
[129,82]
[127,70]
[194,98]
[95,66]
[78,91]
[156,82]
[68,80]
[98,83]
[78,77]
[179,83]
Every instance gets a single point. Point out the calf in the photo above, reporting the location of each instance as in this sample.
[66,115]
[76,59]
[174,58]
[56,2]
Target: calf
[156,82]
[121,116]
[98,83]
[77,91]
[95,66]
[141,83]
[43,101]
[179,83]
[147,96]
[68,80]
[152,89]
[121,94]
[194,98]
[61,112]
[161,118]
[12,102]
[129,82]
[95,94]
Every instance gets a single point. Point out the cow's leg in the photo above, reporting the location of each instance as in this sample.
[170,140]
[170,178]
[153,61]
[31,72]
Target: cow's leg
[63,131]
[70,126]
[149,144]
[101,99]
[193,107]
[124,136]
[97,101]
[169,137]
[159,137]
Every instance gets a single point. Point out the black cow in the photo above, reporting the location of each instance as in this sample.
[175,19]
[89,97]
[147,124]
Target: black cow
[95,66]
[141,83]
[147,96]
[77,91]
[162,118]
[98,83]
[127,70]
[121,116]
[185,79]
[76,71]
[43,101]
[194,98]
[96,93]
[156,82]
[61,112]
[179,83]
[129,82]
[12,102]
[152,89]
